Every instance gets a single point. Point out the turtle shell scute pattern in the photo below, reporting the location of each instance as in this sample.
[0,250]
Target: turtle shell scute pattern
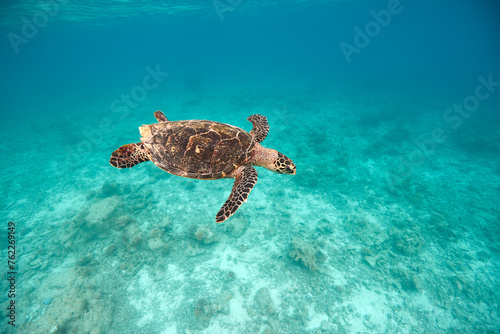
[198,149]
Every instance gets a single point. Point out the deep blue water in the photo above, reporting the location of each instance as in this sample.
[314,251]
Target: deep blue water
[389,109]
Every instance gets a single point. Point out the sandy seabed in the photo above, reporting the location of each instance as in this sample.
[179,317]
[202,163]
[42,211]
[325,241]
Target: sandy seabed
[359,241]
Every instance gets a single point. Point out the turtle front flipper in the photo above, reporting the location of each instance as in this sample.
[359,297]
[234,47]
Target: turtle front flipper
[245,178]
[260,127]
[129,155]
[160,116]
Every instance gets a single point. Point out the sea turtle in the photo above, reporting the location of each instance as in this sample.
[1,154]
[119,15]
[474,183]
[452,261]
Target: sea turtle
[206,150]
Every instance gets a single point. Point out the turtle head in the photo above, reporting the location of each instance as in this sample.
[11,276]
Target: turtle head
[273,160]
[284,165]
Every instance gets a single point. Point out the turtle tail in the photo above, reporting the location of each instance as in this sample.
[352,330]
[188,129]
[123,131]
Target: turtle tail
[129,155]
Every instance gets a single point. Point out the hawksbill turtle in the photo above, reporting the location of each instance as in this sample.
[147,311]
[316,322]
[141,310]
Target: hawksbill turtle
[207,150]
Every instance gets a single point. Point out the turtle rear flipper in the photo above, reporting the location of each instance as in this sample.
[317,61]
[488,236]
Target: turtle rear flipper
[129,155]
[160,116]
[245,178]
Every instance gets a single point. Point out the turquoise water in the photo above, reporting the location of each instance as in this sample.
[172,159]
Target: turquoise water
[390,111]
